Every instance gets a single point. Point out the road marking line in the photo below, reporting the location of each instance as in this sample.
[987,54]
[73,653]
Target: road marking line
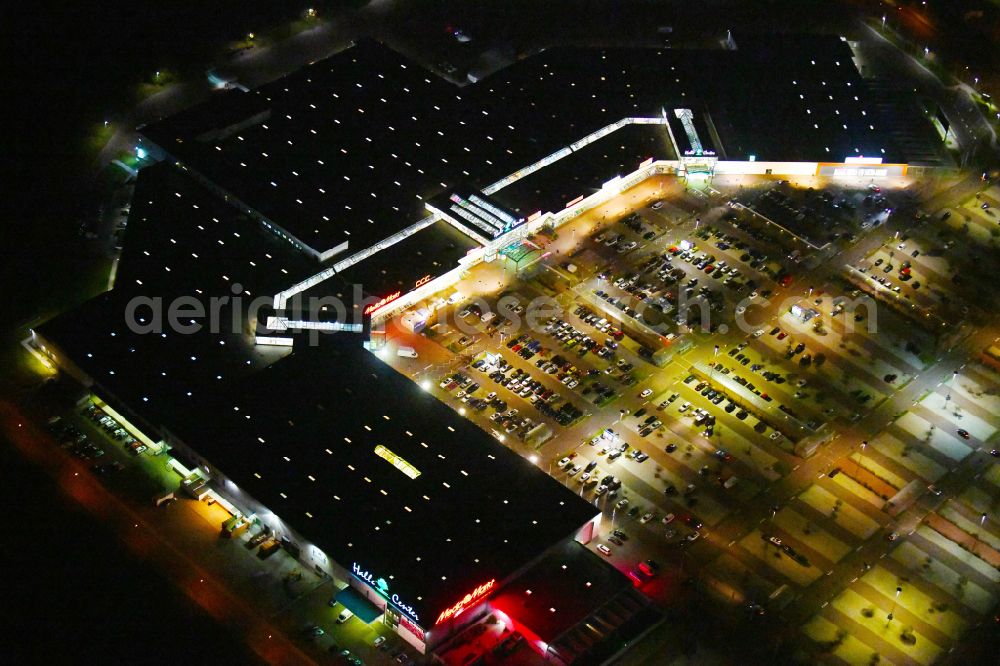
[854,580]
[825,604]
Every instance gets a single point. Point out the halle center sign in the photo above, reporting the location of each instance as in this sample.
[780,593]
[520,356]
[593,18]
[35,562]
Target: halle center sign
[382,587]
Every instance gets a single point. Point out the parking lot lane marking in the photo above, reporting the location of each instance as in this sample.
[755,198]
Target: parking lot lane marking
[854,580]
[825,604]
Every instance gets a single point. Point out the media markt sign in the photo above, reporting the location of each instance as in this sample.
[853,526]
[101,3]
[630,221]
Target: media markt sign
[381,586]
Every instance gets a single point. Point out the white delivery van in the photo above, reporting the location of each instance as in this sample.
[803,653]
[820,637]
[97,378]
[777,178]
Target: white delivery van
[407,352]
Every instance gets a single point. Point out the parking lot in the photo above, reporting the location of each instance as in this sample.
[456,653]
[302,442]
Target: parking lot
[691,354]
[817,217]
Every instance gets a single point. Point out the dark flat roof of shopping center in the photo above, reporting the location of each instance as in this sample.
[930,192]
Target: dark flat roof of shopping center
[561,589]
[181,241]
[586,170]
[355,144]
[578,604]
[300,434]
[432,251]
[301,437]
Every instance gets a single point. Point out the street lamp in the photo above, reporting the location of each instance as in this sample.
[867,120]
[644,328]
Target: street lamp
[861,455]
[895,599]
[975,543]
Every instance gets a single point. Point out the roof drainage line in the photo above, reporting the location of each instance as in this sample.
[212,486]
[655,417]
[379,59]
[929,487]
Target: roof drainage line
[281,298]
[569,150]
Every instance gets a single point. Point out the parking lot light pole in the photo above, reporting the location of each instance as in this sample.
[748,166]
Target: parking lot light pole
[893,610]
[982,524]
[857,469]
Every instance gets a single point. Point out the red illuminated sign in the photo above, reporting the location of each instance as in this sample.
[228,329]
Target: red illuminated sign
[411,627]
[382,303]
[465,602]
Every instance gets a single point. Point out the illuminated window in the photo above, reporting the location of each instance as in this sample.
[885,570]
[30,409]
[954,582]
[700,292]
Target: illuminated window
[397,462]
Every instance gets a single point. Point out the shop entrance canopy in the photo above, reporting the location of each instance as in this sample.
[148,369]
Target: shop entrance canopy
[355,602]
